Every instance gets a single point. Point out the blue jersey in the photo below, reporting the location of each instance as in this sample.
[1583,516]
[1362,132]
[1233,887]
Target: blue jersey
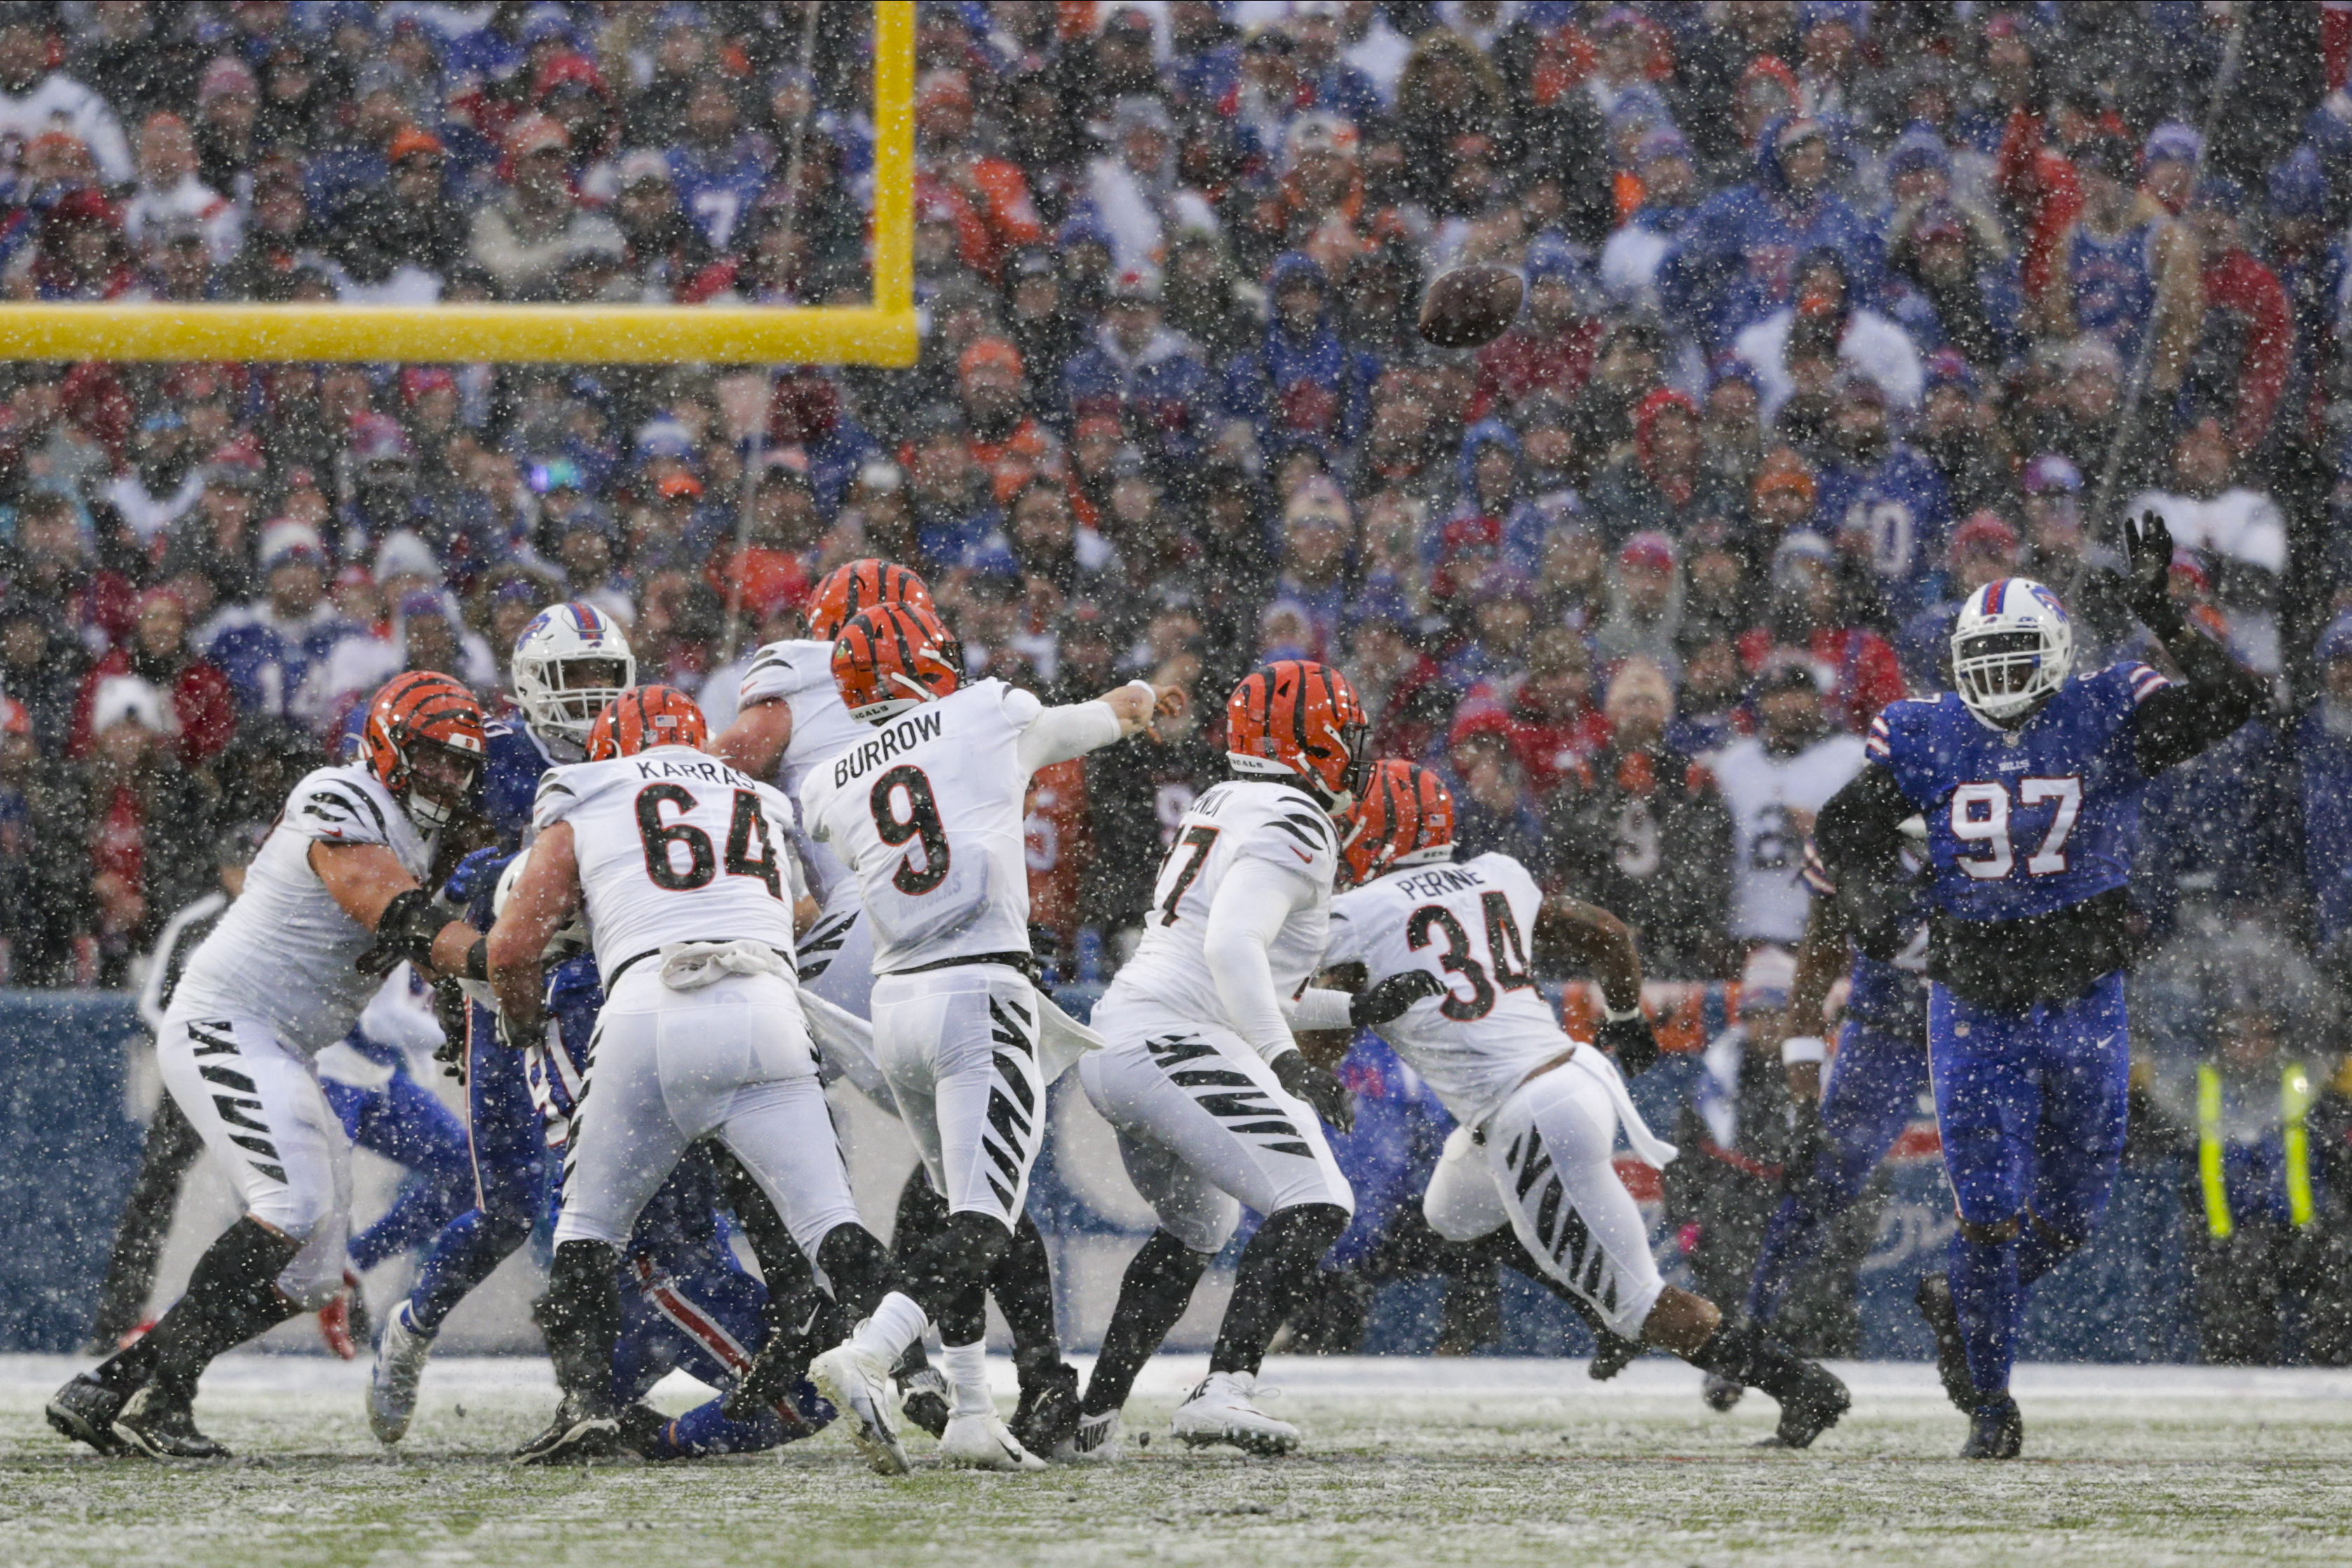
[717,189]
[512,761]
[2023,821]
[1902,508]
[2114,285]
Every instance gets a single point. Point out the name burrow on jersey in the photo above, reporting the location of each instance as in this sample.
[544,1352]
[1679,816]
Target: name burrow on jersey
[901,735]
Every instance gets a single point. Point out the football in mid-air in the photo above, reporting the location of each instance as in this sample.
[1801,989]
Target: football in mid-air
[1470,305]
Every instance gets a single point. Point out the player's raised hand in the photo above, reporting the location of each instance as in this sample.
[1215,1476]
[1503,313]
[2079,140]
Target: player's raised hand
[2148,546]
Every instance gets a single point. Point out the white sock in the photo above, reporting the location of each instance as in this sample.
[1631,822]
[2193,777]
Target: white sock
[966,1367]
[897,1323]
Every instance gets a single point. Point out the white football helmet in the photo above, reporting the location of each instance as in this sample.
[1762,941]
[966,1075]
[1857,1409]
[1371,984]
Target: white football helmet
[2012,645]
[569,663]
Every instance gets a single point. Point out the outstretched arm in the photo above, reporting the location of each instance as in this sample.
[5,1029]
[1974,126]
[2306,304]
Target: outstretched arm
[1860,835]
[2176,722]
[544,896]
[755,743]
[1596,941]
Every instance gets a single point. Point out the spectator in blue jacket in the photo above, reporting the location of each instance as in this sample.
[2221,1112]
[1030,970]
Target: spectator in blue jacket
[1150,378]
[267,645]
[1302,382]
[1738,263]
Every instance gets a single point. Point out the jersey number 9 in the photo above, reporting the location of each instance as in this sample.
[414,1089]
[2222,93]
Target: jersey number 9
[919,820]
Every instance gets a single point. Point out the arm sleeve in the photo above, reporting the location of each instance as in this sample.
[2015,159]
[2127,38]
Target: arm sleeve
[557,798]
[1317,1008]
[2176,722]
[1859,833]
[336,811]
[1252,903]
[1058,734]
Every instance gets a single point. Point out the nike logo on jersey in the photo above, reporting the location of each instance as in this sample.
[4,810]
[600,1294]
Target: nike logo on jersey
[1302,854]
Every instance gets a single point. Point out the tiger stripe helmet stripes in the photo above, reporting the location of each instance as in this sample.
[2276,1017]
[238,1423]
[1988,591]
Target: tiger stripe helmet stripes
[1299,719]
[860,586]
[892,656]
[645,717]
[1405,817]
[422,708]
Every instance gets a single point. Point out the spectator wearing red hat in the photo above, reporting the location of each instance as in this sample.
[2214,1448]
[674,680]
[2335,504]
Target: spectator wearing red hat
[990,386]
[1664,488]
[1492,808]
[1555,722]
[83,254]
[228,116]
[200,705]
[145,814]
[985,198]
[1807,614]
[535,227]
[404,235]
[1550,348]
[34,97]
[1984,550]
[1645,607]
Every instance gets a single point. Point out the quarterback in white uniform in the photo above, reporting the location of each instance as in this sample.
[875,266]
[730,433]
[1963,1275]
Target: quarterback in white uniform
[928,811]
[680,863]
[1538,1113]
[1213,1105]
[334,901]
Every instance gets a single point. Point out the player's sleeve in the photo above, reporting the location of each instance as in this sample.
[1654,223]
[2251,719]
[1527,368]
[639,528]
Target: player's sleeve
[2172,722]
[774,674]
[335,810]
[1051,735]
[1348,938]
[1253,902]
[1296,836]
[1812,873]
[561,794]
[778,809]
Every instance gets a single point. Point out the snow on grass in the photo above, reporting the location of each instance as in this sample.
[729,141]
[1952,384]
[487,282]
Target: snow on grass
[1408,1462]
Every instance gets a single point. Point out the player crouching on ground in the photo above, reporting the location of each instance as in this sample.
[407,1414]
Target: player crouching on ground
[1539,1113]
[333,903]
[2029,781]
[677,859]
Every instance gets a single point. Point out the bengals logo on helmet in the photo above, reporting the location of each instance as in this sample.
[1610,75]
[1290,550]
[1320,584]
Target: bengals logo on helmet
[1405,817]
[1300,720]
[892,656]
[643,717]
[413,714]
[861,586]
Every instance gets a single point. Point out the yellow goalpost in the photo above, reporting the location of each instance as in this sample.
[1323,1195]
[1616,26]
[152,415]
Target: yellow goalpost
[881,333]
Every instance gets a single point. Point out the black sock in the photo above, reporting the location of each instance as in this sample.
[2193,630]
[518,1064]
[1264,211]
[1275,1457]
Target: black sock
[859,1267]
[1275,1266]
[232,1296]
[948,1271]
[581,1317]
[921,1214]
[783,1267]
[1747,1354]
[1154,1294]
[1023,1284]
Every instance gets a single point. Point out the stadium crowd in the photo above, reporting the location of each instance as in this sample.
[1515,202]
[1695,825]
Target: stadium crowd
[1834,311]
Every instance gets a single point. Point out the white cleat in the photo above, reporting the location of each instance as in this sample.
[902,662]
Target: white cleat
[859,1387]
[1224,1410]
[983,1443]
[1100,1440]
[399,1355]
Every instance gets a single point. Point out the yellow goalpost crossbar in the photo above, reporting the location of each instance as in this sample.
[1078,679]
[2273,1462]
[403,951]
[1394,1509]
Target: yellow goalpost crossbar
[879,333]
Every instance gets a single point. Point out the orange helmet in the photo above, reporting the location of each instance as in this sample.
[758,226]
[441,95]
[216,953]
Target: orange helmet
[424,740]
[861,586]
[1405,817]
[892,656]
[1298,720]
[645,717]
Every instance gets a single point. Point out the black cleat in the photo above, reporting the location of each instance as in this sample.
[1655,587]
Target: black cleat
[1612,1354]
[1720,1393]
[1047,1416]
[782,1365]
[925,1401]
[642,1427]
[1934,1299]
[161,1427]
[85,1410]
[577,1434]
[1811,1408]
[1996,1431]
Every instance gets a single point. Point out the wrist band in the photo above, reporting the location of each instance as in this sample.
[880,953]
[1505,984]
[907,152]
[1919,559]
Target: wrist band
[1616,1017]
[478,958]
[1150,692]
[1803,1048]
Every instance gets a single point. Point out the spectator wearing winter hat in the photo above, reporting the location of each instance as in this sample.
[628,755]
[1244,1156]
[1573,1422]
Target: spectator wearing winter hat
[1551,346]
[1663,487]
[992,389]
[526,234]
[1301,382]
[144,812]
[1780,501]
[1868,342]
[1493,811]
[1885,502]
[1808,615]
[216,542]
[200,706]
[265,646]
[54,565]
[1646,608]
[405,236]
[2235,350]
[1952,282]
[2103,277]
[1958,435]
[1318,534]
[169,192]
[1556,722]
[984,198]
[1984,550]
[2034,178]
[1151,379]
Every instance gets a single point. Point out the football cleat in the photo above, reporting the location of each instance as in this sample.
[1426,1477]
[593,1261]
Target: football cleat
[1048,1411]
[1996,1431]
[85,1410]
[925,1400]
[985,1443]
[1934,1299]
[577,1433]
[1811,1408]
[644,1432]
[858,1384]
[161,1427]
[1223,1409]
[1099,1440]
[399,1367]
[1612,1354]
[1720,1393]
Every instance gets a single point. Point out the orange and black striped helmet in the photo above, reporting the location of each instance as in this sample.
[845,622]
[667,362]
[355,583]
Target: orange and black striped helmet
[1299,719]
[645,717]
[892,656]
[1405,817]
[412,715]
[861,586]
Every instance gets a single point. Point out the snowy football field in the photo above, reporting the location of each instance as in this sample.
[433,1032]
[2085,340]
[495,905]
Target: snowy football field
[1407,1461]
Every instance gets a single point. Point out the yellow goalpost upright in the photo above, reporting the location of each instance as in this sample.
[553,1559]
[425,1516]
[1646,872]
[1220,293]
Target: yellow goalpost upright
[880,332]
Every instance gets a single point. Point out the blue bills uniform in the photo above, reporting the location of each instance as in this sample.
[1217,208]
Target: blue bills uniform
[2022,824]
[405,1122]
[686,1304]
[1869,1095]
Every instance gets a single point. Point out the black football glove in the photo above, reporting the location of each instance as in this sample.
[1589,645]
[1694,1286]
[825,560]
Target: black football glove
[1800,1175]
[1879,918]
[1320,1087]
[450,1009]
[2148,546]
[1631,1041]
[1390,999]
